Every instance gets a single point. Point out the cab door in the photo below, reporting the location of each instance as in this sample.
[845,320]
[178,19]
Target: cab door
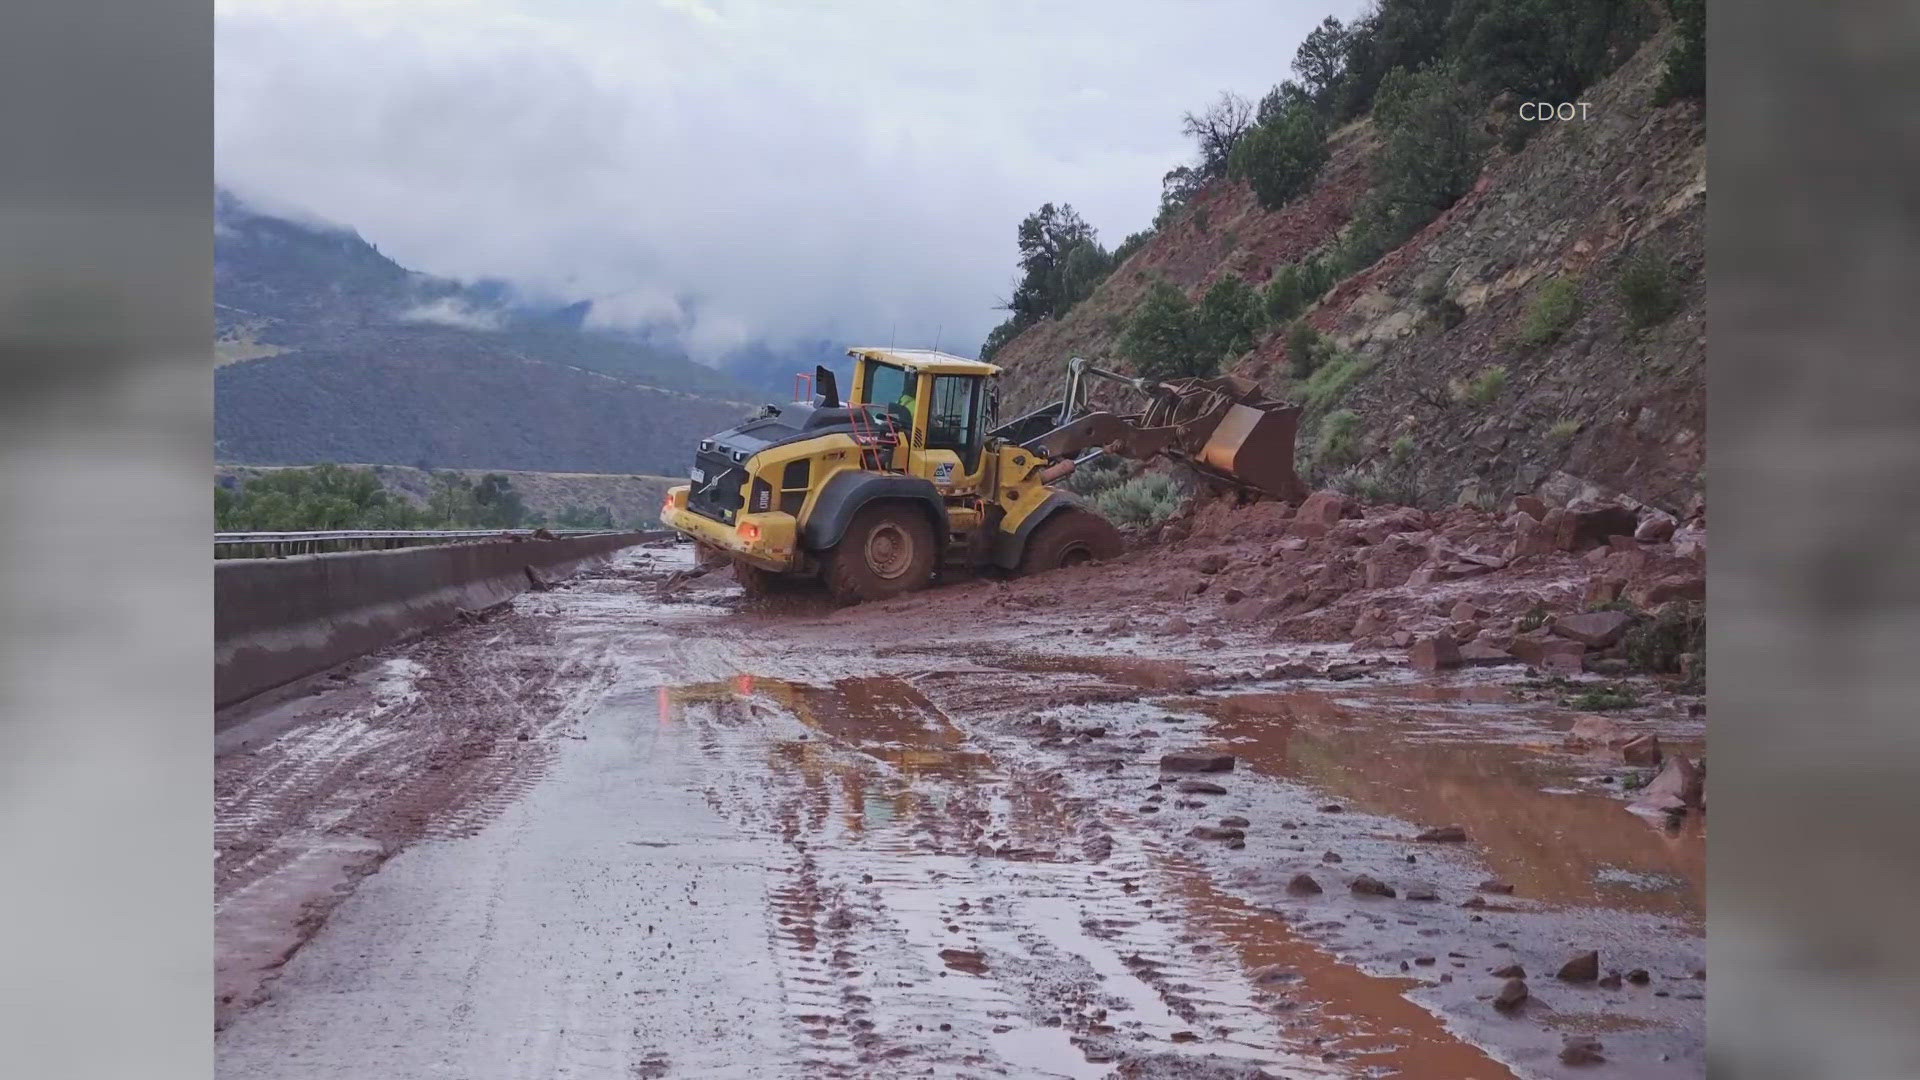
[953,415]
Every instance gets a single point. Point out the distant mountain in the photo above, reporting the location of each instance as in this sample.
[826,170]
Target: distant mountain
[331,351]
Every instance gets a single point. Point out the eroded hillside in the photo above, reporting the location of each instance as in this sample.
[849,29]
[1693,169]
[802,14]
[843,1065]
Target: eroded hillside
[1493,349]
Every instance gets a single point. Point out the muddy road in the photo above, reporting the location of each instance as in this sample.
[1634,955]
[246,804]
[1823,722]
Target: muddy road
[637,827]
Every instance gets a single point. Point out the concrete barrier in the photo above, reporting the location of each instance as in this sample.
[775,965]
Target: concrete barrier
[277,620]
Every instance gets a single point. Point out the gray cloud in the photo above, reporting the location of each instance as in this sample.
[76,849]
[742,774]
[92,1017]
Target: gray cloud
[840,170]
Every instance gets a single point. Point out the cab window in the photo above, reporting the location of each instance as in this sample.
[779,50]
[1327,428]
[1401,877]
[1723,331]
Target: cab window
[953,423]
[886,386]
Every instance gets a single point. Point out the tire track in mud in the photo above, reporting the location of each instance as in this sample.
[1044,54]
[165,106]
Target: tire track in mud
[942,913]
[300,820]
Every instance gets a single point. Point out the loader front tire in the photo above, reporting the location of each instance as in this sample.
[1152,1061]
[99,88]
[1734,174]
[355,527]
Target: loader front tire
[1069,538]
[754,581]
[887,550]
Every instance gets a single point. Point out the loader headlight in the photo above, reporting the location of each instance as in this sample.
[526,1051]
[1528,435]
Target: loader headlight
[739,456]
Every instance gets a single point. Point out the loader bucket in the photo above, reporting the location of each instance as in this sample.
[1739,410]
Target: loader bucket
[1254,445]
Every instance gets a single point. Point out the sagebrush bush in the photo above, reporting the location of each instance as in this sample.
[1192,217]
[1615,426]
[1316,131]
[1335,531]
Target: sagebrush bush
[1338,443]
[1331,380]
[1563,429]
[1141,502]
[1098,475]
[1487,385]
[1554,309]
[1649,287]
[1305,348]
[1656,644]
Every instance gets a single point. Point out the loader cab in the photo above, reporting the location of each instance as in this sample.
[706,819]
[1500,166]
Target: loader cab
[941,400]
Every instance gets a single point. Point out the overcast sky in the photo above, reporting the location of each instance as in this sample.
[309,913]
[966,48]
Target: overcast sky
[831,168]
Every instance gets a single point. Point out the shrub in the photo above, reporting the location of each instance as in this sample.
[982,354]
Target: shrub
[1285,294]
[1431,154]
[1134,242]
[1487,385]
[1563,429]
[1104,472]
[1649,288]
[1656,644]
[1402,449]
[1163,339]
[1606,697]
[1305,348]
[1337,445]
[1229,319]
[1394,482]
[1686,74]
[1333,377]
[1142,502]
[1280,158]
[1554,309]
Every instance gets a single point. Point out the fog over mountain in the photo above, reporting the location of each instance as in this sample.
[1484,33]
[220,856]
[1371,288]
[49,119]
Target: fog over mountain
[741,173]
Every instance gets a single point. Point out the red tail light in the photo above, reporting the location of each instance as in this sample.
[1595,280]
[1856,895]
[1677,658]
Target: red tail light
[749,531]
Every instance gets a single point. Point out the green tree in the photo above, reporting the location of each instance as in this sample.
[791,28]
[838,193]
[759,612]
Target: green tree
[324,497]
[1280,158]
[1686,75]
[1229,319]
[496,505]
[1433,148]
[1061,261]
[1163,336]
[1321,61]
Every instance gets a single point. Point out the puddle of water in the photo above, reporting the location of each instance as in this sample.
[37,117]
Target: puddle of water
[1537,830]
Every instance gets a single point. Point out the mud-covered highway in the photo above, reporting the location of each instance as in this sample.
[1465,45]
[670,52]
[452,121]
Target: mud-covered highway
[637,826]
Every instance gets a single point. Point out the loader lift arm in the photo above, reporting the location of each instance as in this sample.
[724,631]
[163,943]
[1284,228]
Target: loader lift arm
[1222,427]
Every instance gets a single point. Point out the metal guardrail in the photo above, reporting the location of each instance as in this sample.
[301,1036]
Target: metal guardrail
[274,545]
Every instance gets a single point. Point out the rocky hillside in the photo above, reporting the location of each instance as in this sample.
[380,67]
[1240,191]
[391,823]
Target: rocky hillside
[1493,352]
[332,352]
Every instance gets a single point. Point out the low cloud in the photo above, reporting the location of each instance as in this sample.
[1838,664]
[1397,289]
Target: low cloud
[449,312]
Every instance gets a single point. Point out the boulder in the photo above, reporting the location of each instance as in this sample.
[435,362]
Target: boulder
[1584,527]
[1511,971]
[1669,587]
[1444,834]
[1655,528]
[1199,787]
[1594,731]
[1542,650]
[1467,611]
[1434,653]
[1211,563]
[1196,761]
[1583,968]
[1481,653]
[1210,832]
[1641,750]
[1324,508]
[1512,995]
[1530,505]
[1582,1050]
[1594,629]
[1365,885]
[1534,537]
[1603,589]
[1303,885]
[1678,785]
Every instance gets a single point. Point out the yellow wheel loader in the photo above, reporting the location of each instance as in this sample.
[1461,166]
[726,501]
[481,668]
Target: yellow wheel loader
[911,476]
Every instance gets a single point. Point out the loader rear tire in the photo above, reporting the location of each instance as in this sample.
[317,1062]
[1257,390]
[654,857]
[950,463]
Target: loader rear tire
[1069,538]
[887,550]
